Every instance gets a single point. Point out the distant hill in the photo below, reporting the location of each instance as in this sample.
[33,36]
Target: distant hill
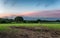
[33,18]
[42,18]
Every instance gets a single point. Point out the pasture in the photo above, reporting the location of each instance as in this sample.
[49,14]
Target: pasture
[17,31]
[49,25]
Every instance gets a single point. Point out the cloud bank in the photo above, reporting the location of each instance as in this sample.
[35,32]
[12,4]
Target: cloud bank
[30,8]
[51,13]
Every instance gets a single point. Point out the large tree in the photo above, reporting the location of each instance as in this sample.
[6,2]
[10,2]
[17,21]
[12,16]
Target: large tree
[19,19]
[38,20]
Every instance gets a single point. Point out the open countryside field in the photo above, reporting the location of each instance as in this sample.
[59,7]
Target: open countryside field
[31,30]
[51,26]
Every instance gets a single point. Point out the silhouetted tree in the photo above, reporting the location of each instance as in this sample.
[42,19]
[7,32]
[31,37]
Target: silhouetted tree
[19,19]
[5,20]
[57,20]
[38,20]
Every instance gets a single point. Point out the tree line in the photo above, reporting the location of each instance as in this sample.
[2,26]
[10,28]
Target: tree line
[20,19]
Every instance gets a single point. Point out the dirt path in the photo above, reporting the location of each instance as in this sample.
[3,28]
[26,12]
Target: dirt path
[30,32]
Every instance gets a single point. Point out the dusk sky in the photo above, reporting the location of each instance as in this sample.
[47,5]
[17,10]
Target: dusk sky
[33,8]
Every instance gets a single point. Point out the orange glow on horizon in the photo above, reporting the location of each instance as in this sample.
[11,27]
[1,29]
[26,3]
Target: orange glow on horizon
[54,13]
[18,14]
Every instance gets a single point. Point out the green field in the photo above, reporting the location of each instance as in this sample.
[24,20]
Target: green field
[52,26]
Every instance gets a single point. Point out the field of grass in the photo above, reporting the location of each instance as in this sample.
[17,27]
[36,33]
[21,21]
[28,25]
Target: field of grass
[52,26]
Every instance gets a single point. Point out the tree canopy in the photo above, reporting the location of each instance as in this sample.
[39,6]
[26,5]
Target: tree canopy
[19,19]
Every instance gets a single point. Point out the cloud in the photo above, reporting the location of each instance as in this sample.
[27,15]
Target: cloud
[1,6]
[13,2]
[20,6]
[50,13]
[46,3]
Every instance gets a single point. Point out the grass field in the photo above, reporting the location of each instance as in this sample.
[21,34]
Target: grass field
[52,26]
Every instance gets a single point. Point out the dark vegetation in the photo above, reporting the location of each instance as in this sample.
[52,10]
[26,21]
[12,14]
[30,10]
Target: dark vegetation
[20,19]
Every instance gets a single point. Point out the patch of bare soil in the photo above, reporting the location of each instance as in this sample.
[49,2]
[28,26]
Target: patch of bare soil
[30,32]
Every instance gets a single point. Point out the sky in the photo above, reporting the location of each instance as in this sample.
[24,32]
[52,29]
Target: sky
[32,8]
